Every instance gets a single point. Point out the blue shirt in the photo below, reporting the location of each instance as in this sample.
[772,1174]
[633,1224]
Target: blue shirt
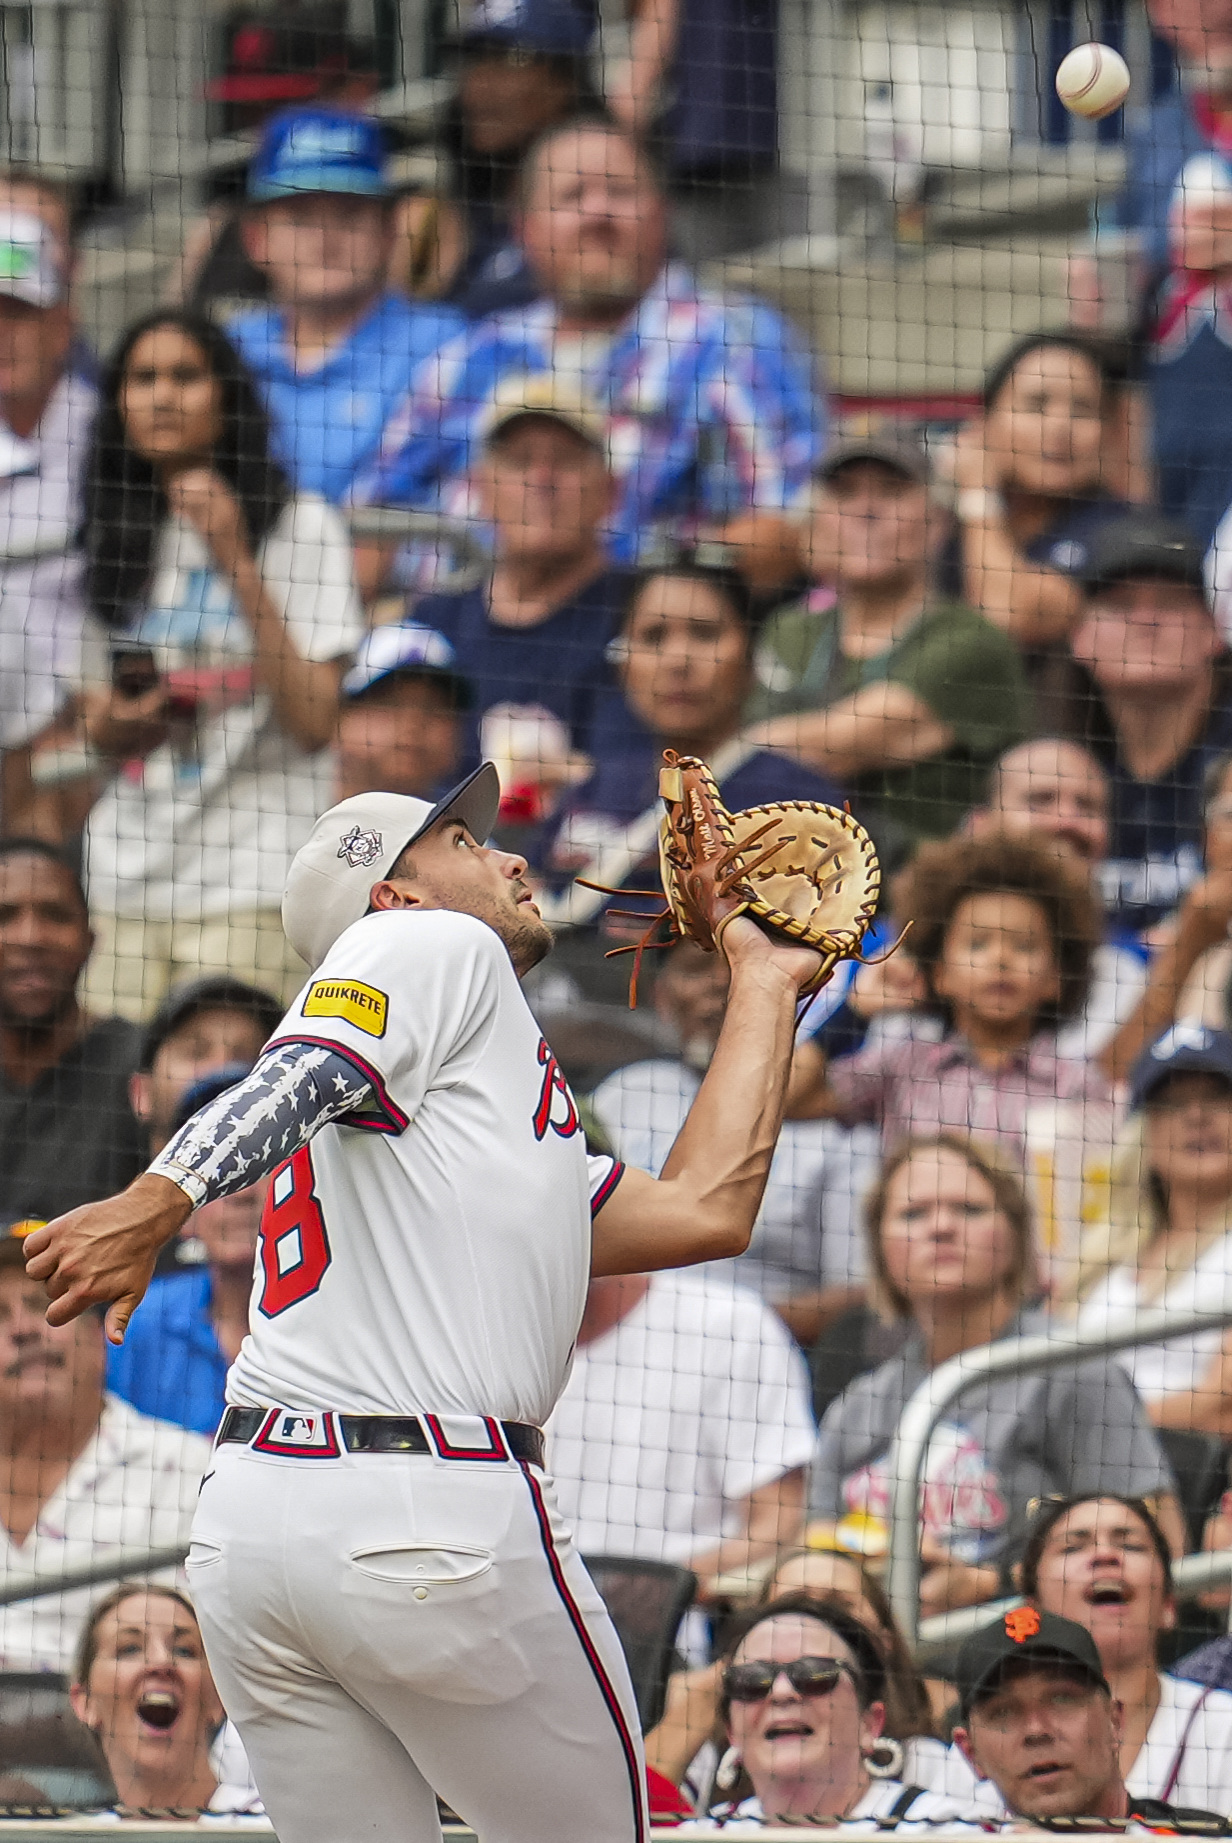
[712,404]
[560,663]
[170,1364]
[1189,366]
[329,422]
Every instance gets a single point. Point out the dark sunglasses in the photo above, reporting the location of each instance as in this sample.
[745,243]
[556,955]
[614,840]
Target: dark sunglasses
[808,1676]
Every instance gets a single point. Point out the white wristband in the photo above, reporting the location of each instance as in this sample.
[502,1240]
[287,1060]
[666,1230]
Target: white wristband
[191,1183]
[978,505]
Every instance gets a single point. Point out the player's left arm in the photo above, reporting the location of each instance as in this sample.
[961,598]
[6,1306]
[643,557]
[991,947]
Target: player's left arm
[703,1206]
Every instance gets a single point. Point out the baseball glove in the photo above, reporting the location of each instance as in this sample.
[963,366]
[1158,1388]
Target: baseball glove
[799,869]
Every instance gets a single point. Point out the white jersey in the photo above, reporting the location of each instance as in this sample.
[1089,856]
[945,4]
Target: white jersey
[431,1256]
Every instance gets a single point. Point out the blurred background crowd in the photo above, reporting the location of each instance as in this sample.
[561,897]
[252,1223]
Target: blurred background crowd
[794,385]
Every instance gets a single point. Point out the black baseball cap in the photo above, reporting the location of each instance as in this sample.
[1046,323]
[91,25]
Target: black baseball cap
[1184,1049]
[1023,1635]
[1146,544]
[219,992]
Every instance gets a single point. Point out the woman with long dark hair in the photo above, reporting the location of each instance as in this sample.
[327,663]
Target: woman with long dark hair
[222,606]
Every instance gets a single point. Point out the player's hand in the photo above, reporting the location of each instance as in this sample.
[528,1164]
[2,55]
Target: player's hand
[744,945]
[104,1253]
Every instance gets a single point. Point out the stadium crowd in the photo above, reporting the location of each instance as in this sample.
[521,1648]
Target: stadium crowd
[1004,639]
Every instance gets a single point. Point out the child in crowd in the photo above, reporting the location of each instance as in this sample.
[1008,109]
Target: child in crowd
[1003,933]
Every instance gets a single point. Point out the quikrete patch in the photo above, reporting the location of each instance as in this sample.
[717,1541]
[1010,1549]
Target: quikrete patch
[358,1004]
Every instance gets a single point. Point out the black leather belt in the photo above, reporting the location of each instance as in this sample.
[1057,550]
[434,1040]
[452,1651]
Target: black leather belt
[390,1433]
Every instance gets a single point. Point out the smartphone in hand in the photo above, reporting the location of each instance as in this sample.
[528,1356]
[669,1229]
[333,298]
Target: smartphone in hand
[134,669]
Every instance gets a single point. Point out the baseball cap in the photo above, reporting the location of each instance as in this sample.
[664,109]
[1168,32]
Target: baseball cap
[354,845]
[543,393]
[891,447]
[319,150]
[207,1088]
[549,28]
[1023,1634]
[1148,544]
[1184,1048]
[406,646]
[289,54]
[31,269]
[217,992]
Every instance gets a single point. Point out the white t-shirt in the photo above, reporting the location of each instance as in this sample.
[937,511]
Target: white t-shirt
[1179,1365]
[696,1398]
[435,1260]
[1186,1758]
[209,823]
[807,1233]
[41,610]
[133,1487]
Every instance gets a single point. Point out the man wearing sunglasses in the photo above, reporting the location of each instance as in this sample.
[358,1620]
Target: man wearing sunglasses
[1038,1719]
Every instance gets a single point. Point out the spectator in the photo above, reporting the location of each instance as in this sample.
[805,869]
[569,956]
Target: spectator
[684,1427]
[81,1474]
[1039,1721]
[187,1331]
[805,1259]
[46,412]
[1030,476]
[711,403]
[802,1706]
[1003,936]
[1167,1240]
[1056,791]
[400,725]
[705,76]
[904,699]
[1103,1563]
[952,1257]
[286,53]
[1177,202]
[535,634]
[47,195]
[237,596]
[337,349]
[199,1028]
[142,1685]
[67,1129]
[1157,679]
[684,664]
[522,68]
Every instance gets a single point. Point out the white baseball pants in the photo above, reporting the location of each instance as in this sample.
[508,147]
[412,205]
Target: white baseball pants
[383,1627]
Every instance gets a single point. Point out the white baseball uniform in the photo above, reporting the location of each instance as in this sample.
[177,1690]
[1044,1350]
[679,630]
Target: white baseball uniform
[383,1626]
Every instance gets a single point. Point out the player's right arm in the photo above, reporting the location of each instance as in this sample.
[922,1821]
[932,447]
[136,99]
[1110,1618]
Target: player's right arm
[703,1206]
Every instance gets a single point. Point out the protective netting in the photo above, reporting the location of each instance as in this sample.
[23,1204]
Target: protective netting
[838,392]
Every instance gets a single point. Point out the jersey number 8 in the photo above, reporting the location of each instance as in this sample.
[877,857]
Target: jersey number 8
[294,1245]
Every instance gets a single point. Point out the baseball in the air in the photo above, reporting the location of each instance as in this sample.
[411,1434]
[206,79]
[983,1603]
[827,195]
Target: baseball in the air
[1092,81]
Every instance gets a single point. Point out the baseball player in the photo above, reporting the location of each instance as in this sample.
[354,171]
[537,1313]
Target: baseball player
[391,1605]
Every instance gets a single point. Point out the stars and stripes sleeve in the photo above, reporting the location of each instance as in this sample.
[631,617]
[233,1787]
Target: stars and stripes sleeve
[288,1096]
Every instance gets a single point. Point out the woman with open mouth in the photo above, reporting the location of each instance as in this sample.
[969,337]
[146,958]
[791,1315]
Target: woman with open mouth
[1103,1562]
[802,1705]
[143,1687]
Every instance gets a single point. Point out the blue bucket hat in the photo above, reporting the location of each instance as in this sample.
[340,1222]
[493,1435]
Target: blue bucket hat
[319,150]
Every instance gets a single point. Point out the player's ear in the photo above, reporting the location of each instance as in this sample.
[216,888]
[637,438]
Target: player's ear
[393,893]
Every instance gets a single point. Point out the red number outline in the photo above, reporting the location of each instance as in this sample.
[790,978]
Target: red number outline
[299,1211]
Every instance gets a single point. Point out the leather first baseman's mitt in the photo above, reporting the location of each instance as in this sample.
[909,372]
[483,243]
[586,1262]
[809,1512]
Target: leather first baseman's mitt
[800,869]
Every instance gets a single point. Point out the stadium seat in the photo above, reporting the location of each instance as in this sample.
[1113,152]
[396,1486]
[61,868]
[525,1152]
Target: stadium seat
[42,1743]
[647,1600]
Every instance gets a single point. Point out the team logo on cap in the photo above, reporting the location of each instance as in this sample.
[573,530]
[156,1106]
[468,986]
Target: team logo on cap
[1021,1624]
[360,847]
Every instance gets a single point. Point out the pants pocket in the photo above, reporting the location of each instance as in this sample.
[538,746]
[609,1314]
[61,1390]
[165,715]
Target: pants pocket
[429,1564]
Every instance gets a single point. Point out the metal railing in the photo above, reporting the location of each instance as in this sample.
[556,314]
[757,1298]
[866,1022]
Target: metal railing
[1015,1356]
[472,559]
